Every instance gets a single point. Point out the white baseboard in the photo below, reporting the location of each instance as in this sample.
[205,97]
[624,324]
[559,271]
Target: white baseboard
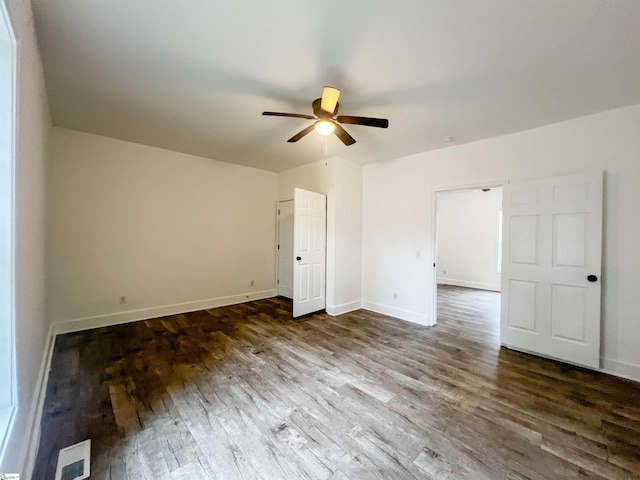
[106,320]
[626,370]
[37,406]
[468,284]
[415,317]
[344,308]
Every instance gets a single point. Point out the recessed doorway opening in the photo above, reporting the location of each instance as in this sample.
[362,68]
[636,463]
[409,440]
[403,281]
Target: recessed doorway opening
[468,258]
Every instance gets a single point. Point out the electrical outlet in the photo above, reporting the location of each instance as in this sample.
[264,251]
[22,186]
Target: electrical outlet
[252,283]
[395,296]
[444,272]
[123,299]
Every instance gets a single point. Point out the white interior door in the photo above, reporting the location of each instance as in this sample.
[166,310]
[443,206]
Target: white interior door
[309,246]
[552,244]
[285,249]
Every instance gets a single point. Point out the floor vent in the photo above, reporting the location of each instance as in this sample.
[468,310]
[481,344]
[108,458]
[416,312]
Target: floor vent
[73,462]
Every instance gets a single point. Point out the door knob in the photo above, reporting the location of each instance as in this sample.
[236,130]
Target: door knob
[592,278]
[298,258]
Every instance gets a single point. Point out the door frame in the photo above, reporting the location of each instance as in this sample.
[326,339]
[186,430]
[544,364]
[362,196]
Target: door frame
[434,226]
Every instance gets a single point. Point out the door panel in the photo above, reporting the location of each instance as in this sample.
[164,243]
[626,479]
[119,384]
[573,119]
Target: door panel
[569,239]
[568,309]
[303,289]
[522,308]
[524,235]
[552,243]
[309,245]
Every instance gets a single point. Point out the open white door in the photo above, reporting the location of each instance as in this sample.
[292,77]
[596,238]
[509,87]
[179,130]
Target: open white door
[309,246]
[285,249]
[552,244]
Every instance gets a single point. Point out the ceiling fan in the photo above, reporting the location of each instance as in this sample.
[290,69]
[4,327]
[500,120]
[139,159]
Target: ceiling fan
[326,122]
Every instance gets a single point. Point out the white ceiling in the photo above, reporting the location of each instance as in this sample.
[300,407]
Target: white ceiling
[195,75]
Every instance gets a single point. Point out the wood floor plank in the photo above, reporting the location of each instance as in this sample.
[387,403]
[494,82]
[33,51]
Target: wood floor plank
[247,392]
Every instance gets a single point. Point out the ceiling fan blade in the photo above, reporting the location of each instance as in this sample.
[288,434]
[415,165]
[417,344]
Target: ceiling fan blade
[330,97]
[295,115]
[367,121]
[342,134]
[301,134]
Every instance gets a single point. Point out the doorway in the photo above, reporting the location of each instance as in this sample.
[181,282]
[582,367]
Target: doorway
[551,265]
[284,282]
[301,251]
[468,254]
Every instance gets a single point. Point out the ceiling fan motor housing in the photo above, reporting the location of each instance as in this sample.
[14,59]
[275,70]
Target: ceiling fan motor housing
[318,112]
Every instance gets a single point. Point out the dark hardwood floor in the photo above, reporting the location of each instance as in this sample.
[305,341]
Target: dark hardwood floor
[247,392]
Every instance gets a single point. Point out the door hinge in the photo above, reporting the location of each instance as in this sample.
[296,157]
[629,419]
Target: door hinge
[434,264]
[278,247]
[278,211]
[278,281]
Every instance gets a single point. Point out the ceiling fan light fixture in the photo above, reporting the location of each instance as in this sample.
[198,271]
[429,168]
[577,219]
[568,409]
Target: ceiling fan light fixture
[325,127]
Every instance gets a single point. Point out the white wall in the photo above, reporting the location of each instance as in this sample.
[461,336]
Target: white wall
[31,325]
[397,217]
[468,238]
[171,232]
[348,237]
[341,181]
